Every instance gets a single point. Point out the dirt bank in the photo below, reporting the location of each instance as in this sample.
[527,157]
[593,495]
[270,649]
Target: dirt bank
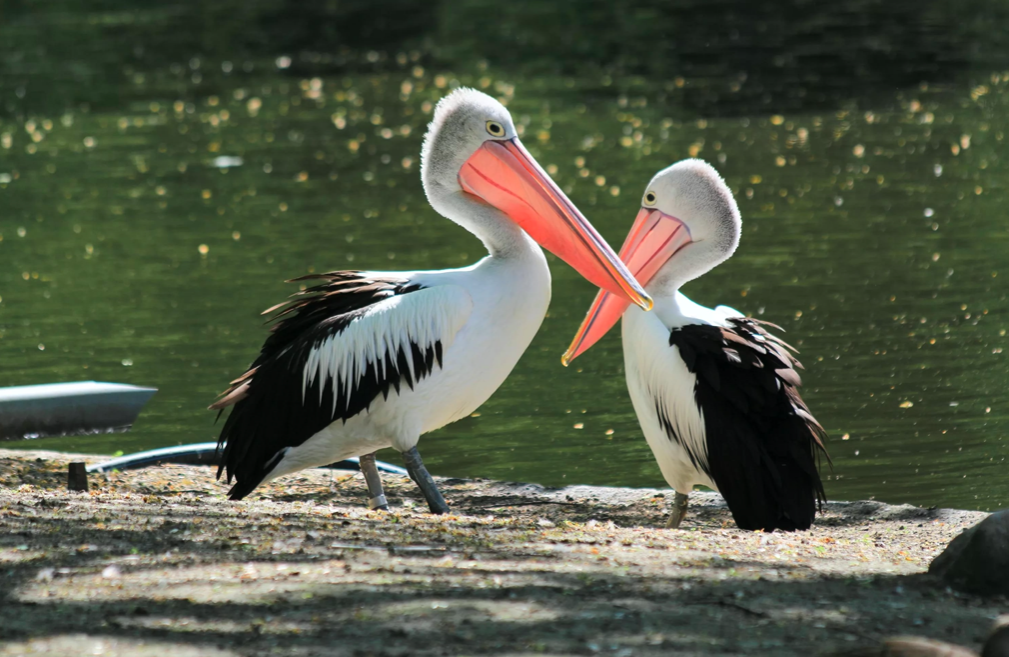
[157,561]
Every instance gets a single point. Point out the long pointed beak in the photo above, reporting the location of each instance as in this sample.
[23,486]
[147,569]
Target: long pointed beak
[653,240]
[505,175]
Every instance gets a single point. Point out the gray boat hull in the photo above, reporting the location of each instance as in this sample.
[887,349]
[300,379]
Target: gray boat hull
[59,409]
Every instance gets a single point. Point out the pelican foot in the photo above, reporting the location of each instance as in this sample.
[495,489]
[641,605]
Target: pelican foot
[679,511]
[420,476]
[374,481]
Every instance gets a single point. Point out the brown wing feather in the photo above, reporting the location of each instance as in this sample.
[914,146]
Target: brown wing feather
[788,376]
[340,292]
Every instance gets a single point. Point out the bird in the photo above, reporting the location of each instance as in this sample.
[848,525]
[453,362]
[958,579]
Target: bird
[364,360]
[715,392]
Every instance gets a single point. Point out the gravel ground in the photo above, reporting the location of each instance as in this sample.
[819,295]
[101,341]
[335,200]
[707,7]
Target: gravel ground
[158,560]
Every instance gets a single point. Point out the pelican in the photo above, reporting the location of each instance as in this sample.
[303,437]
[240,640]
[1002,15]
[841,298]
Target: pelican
[715,392]
[364,360]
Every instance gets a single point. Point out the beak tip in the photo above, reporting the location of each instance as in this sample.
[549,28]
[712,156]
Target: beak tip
[567,358]
[646,302]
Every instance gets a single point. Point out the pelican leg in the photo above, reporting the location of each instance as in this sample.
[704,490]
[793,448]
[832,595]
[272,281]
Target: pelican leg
[679,511]
[420,476]
[374,481]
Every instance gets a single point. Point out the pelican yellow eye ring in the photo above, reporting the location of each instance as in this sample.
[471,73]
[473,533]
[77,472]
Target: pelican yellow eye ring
[650,198]
[495,129]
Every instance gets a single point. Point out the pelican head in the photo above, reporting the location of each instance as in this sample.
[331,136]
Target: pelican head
[463,121]
[472,158]
[687,205]
[688,224]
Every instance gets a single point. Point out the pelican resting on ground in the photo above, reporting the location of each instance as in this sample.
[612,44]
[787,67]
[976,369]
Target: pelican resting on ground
[365,360]
[715,392]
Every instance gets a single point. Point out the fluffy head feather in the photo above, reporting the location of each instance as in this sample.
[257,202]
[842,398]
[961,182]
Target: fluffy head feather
[693,192]
[458,128]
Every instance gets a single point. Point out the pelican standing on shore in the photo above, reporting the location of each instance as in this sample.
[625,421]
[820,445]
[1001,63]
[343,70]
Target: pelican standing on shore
[715,392]
[365,360]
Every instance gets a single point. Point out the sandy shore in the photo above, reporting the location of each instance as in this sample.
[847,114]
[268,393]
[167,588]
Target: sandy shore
[156,561]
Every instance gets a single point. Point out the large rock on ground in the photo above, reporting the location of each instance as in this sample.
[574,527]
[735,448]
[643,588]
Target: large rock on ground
[997,644]
[977,561]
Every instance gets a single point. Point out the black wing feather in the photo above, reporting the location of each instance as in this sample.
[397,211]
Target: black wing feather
[763,443]
[269,413]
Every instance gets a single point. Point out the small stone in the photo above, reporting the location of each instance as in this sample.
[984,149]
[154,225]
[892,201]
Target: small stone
[77,477]
[977,561]
[111,572]
[915,646]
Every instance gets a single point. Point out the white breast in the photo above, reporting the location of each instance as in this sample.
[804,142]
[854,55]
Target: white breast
[660,385]
[509,301]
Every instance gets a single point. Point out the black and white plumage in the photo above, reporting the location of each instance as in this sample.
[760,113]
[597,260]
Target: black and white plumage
[289,393]
[368,360]
[747,387]
[716,393]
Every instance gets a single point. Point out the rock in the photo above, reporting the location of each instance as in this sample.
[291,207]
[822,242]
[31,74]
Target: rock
[997,644]
[909,646]
[977,561]
[912,646]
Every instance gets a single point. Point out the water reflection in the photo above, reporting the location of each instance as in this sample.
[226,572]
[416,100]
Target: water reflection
[154,201]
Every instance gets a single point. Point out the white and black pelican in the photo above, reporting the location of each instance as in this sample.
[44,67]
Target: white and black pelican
[365,360]
[715,392]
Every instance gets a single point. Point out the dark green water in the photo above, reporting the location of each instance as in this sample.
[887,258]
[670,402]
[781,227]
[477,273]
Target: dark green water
[875,233]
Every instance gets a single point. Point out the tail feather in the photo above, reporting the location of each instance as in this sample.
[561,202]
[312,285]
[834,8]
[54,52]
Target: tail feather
[767,475]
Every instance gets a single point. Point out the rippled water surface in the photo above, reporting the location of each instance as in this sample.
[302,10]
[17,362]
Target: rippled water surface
[143,229]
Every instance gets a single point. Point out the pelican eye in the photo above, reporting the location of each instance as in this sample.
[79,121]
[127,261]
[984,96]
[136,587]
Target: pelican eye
[650,198]
[495,129]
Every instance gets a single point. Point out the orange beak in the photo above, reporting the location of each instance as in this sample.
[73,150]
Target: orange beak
[653,240]
[505,175]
